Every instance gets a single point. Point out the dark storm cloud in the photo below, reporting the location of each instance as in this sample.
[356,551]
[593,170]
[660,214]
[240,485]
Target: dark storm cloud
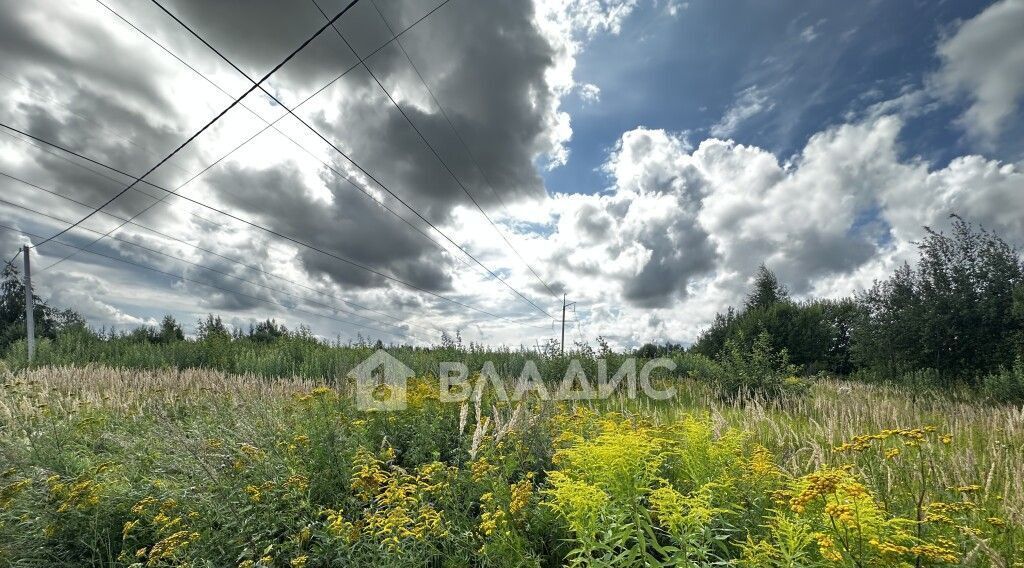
[817,254]
[84,90]
[485,63]
[81,180]
[86,80]
[680,252]
[353,227]
[257,35]
[32,49]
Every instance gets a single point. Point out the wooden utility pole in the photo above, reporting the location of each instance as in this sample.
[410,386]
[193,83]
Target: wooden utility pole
[30,308]
[564,305]
[563,324]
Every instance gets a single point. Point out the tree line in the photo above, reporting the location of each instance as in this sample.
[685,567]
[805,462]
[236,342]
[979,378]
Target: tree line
[955,317]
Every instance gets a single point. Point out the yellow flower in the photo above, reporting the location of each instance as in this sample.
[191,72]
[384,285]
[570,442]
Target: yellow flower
[934,552]
[762,463]
[321,392]
[481,469]
[827,548]
[298,481]
[889,548]
[816,484]
[168,548]
[520,496]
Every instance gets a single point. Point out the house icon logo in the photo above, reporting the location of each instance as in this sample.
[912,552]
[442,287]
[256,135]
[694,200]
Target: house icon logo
[380,383]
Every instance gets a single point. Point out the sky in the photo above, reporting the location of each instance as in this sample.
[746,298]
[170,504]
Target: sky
[640,157]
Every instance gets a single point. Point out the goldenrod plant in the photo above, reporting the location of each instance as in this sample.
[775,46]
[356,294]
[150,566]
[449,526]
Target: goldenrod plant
[118,467]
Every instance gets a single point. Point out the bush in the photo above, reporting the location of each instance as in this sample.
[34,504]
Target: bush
[759,371]
[1006,385]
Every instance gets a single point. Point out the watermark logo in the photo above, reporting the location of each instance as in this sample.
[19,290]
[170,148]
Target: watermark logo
[381,382]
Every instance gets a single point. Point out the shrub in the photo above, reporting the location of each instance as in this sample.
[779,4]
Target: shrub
[759,371]
[1006,385]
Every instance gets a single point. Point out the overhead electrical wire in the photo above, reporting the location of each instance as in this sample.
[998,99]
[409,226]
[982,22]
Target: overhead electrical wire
[46,150]
[170,193]
[221,272]
[362,60]
[273,124]
[433,150]
[184,279]
[205,127]
[218,255]
[214,270]
[462,141]
[72,111]
[236,148]
[265,229]
[258,85]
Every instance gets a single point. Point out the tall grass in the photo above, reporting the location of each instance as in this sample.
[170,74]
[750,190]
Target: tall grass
[166,466]
[303,356]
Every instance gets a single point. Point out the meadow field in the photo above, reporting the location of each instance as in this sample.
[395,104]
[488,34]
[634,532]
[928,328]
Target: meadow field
[185,467]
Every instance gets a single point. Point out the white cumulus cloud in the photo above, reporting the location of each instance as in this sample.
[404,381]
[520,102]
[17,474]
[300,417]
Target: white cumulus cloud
[984,59]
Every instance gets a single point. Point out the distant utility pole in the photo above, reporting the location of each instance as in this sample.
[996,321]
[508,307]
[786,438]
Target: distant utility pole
[564,305]
[30,318]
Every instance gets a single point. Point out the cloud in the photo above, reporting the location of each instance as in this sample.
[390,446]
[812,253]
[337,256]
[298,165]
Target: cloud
[499,70]
[567,25]
[591,17]
[983,60]
[674,237]
[810,33]
[85,293]
[750,102]
[590,93]
[340,224]
[682,230]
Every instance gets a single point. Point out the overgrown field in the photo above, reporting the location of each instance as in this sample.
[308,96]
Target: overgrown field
[101,466]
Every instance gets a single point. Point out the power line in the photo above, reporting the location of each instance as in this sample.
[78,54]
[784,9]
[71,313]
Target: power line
[202,249]
[216,271]
[289,138]
[66,107]
[101,174]
[268,125]
[159,200]
[428,144]
[184,279]
[469,151]
[265,229]
[206,126]
[346,156]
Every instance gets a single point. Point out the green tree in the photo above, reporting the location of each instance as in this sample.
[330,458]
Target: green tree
[955,312]
[170,330]
[212,328]
[267,331]
[767,290]
[815,334]
[48,321]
